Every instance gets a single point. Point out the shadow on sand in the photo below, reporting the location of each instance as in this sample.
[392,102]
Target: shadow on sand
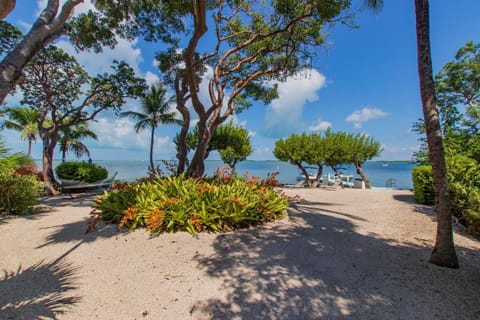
[318,266]
[40,291]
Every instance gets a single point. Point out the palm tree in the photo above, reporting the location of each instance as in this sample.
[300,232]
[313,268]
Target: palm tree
[155,108]
[24,120]
[443,253]
[70,140]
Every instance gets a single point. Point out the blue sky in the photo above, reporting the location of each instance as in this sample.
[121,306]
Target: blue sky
[366,82]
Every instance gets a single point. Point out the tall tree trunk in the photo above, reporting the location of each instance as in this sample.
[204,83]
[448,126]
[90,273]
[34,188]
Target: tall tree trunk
[29,152]
[47,163]
[196,168]
[443,253]
[182,151]
[152,137]
[360,172]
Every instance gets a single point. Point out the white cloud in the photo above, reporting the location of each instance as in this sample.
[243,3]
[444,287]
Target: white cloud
[320,125]
[285,113]
[151,78]
[364,115]
[251,134]
[100,63]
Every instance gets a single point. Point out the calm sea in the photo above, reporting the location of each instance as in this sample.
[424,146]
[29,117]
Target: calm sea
[377,172]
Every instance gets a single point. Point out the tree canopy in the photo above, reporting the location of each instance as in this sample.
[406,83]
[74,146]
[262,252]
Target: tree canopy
[458,99]
[332,149]
[55,86]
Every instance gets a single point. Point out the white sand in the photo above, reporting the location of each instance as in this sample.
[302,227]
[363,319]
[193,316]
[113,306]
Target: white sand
[346,254]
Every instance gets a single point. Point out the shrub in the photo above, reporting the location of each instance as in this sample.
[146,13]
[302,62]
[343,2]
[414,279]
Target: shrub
[464,179]
[18,193]
[423,184]
[194,205]
[464,183]
[81,171]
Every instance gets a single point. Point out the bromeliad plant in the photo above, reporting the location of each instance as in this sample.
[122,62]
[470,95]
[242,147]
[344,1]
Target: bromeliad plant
[175,204]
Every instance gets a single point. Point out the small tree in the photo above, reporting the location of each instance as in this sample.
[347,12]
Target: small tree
[336,150]
[155,107]
[53,86]
[296,150]
[232,143]
[363,148]
[70,140]
[24,120]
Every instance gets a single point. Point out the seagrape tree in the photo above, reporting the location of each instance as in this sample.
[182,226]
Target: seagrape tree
[92,30]
[298,150]
[231,141]
[55,85]
[252,45]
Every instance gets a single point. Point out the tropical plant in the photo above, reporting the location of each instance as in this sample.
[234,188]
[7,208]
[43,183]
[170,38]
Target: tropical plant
[70,140]
[443,253]
[185,204]
[11,161]
[231,141]
[458,101]
[53,86]
[18,192]
[81,171]
[155,107]
[24,120]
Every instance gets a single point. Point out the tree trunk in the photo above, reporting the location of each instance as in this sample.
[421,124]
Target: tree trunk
[360,172]
[29,152]
[6,6]
[182,151]
[196,168]
[152,137]
[46,29]
[443,253]
[47,163]
[319,172]
[304,172]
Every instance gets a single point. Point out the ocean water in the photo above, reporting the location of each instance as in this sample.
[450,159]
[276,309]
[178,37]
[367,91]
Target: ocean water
[378,172]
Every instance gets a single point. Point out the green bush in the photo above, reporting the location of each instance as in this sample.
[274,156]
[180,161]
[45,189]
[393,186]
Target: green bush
[464,183]
[81,171]
[423,184]
[464,179]
[18,193]
[194,205]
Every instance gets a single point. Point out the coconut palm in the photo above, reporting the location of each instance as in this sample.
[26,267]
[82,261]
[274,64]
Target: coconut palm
[70,140]
[24,120]
[443,253]
[155,106]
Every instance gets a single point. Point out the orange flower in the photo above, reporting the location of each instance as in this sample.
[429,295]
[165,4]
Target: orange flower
[155,219]
[128,214]
[195,221]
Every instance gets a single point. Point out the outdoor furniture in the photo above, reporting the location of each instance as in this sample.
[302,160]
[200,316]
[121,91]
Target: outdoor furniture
[71,186]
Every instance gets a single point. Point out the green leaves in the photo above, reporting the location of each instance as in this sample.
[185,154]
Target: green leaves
[81,171]
[193,205]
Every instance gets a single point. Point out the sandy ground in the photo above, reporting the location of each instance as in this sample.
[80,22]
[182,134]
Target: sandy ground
[346,254]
